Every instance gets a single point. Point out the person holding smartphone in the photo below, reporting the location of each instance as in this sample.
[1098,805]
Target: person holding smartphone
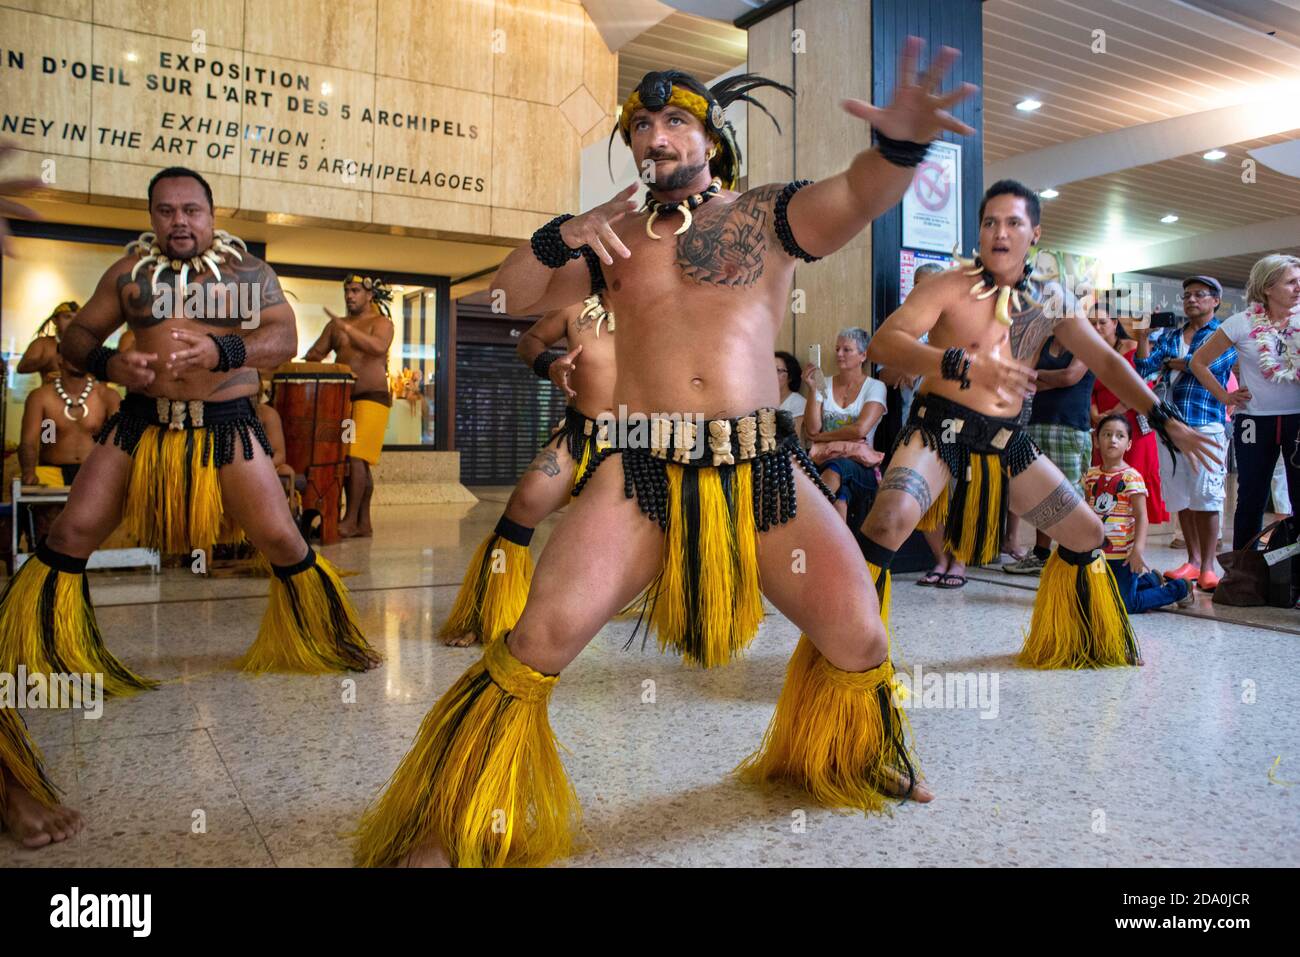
[1196,495]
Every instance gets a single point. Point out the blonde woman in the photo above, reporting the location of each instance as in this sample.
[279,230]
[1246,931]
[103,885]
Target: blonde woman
[1267,420]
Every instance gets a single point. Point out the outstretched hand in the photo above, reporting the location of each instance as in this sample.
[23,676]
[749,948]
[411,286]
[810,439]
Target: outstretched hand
[918,112]
[13,187]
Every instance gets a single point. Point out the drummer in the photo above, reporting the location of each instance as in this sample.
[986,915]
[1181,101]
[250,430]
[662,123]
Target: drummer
[361,340]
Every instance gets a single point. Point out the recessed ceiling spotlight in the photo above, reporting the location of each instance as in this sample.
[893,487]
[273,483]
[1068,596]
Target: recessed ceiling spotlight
[1028,106]
[1049,194]
[1171,218]
[1214,155]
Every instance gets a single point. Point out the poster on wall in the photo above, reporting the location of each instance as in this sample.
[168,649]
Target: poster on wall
[932,204]
[908,261]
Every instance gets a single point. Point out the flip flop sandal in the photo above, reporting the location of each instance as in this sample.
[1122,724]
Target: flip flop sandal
[929,578]
[951,581]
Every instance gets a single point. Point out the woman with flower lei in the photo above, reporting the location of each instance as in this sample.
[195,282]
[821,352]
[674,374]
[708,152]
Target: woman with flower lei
[1267,419]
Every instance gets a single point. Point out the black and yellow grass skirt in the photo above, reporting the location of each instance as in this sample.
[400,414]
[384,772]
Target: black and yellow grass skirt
[712,486]
[47,624]
[495,587]
[982,454]
[581,437]
[173,501]
[20,756]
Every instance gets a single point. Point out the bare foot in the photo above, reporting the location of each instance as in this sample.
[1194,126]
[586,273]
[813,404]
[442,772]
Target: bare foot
[426,855]
[365,531]
[896,784]
[33,824]
[463,640]
[348,531]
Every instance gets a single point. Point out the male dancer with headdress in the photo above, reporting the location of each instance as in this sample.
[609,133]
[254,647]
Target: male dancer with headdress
[29,808]
[42,354]
[361,342]
[185,449]
[492,596]
[963,451]
[701,503]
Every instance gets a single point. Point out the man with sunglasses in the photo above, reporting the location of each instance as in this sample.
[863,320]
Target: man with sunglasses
[1195,494]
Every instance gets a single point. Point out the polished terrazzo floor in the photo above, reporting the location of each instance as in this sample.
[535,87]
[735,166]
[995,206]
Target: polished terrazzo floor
[1169,764]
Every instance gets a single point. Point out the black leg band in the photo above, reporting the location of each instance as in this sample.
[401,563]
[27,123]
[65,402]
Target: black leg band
[283,572]
[1078,558]
[59,561]
[878,554]
[513,532]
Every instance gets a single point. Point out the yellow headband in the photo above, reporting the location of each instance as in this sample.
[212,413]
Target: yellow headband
[692,103]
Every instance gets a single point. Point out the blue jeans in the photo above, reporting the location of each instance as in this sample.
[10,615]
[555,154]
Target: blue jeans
[1145,591]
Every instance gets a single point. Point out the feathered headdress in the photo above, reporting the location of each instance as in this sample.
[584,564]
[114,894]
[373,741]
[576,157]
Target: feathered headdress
[377,288]
[707,104]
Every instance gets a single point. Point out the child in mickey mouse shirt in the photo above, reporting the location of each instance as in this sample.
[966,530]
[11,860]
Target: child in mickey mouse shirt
[1117,494]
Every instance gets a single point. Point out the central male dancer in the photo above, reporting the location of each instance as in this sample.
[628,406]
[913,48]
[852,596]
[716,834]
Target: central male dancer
[492,596]
[966,428]
[700,287]
[185,449]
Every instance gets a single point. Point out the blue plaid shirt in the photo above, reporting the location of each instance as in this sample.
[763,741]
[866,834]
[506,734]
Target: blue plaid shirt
[1192,399]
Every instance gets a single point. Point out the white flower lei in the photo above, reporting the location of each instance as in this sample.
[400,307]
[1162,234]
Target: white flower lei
[1279,348]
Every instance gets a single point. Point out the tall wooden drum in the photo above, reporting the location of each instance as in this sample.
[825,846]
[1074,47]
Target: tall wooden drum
[313,399]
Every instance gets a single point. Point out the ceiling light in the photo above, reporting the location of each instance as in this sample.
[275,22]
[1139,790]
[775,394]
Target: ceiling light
[1171,218]
[1214,155]
[1028,106]
[1049,194]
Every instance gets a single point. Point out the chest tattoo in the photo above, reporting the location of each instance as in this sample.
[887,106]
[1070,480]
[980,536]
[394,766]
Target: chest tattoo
[726,246]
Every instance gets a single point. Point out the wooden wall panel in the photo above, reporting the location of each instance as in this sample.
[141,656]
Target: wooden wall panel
[453,48]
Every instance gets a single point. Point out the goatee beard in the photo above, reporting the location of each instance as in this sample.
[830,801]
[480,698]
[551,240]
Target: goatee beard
[681,177]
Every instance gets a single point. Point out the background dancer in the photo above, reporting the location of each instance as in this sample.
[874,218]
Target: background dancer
[185,448]
[963,450]
[492,596]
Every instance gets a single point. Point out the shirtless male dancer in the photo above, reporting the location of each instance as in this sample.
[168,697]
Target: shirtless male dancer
[30,811]
[184,450]
[492,596]
[963,450]
[60,421]
[700,287]
[360,341]
[42,353]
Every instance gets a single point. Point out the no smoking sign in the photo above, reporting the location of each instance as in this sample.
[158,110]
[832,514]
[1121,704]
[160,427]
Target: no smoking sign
[932,186]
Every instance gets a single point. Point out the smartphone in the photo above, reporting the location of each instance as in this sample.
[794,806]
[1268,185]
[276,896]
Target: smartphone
[1163,320]
[815,354]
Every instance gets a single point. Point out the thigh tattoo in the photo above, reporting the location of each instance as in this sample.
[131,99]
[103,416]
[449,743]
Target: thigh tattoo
[1060,503]
[548,463]
[909,482]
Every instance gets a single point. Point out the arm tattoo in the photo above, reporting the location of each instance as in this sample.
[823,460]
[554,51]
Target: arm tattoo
[909,482]
[727,244]
[272,294]
[1056,506]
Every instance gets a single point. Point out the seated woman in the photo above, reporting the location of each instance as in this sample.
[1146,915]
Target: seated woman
[840,421]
